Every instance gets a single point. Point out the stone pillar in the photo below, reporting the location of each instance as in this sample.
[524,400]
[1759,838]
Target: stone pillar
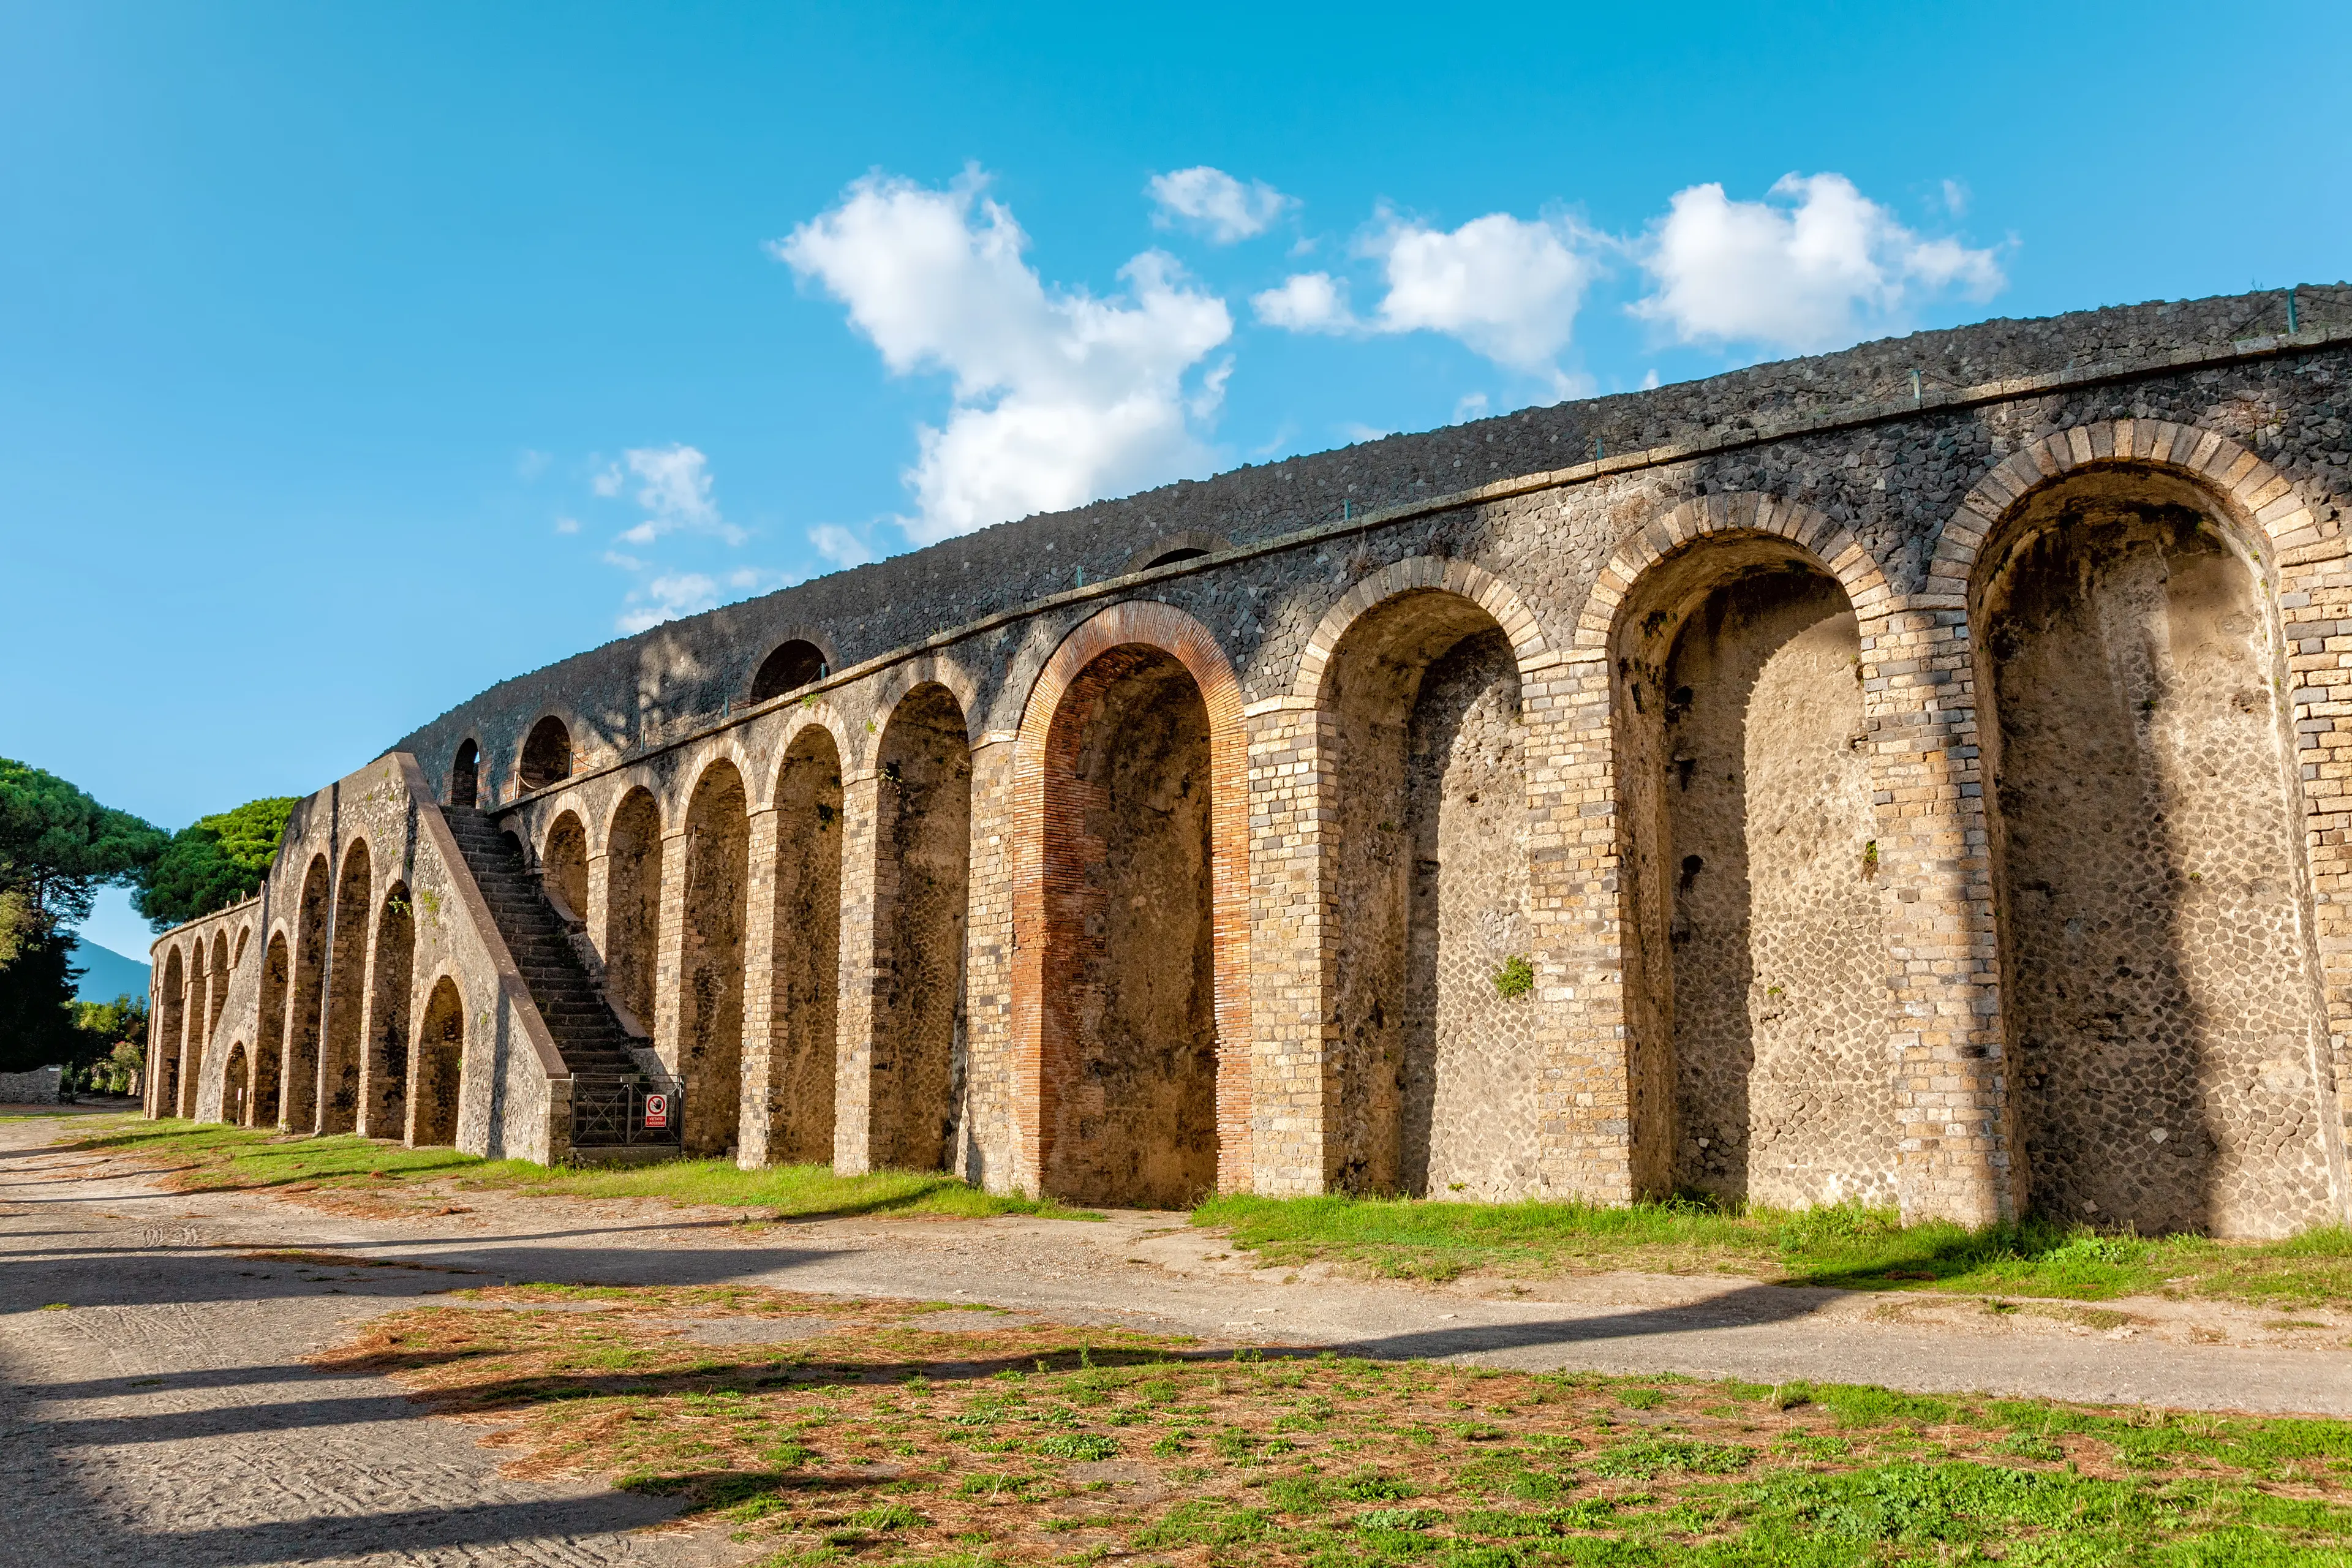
[600,900]
[1296,1089]
[988,972]
[670,955]
[192,1039]
[1958,1146]
[753,1124]
[2314,605]
[1586,1143]
[861,974]
[148,1073]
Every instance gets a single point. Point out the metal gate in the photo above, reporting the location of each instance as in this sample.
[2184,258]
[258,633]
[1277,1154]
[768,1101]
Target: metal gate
[608,1111]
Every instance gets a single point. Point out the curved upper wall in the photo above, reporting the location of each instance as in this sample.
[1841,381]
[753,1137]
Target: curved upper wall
[662,684]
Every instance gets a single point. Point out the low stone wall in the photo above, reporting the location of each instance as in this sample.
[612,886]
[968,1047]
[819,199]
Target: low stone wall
[39,1087]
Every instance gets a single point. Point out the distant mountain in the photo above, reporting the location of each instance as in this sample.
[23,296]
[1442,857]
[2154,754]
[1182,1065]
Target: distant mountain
[108,973]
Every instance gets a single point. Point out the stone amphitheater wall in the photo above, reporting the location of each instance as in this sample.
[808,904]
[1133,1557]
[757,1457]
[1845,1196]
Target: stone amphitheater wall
[1353,847]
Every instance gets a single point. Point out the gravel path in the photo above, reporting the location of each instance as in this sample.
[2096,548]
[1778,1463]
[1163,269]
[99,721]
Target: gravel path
[163,1414]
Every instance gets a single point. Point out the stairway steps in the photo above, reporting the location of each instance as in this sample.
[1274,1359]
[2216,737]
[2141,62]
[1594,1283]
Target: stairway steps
[569,1000]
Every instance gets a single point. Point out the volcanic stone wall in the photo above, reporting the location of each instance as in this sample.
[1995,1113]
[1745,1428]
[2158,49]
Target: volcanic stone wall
[1591,802]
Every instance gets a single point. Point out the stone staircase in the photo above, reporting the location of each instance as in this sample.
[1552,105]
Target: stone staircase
[590,1038]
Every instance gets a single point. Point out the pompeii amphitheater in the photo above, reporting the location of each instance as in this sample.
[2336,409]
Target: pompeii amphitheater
[1910,776]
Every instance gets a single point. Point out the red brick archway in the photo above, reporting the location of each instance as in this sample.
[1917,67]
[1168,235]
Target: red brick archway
[1039,1039]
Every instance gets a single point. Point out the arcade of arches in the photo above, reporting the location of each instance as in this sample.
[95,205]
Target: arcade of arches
[803,939]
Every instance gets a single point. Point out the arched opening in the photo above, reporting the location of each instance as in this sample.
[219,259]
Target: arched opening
[1437,1066]
[710,1006]
[438,1070]
[270,1046]
[632,911]
[384,1082]
[2166,1035]
[1755,982]
[192,1048]
[338,1078]
[466,775]
[237,958]
[234,1093]
[301,1087]
[171,1020]
[1129,995]
[790,668]
[546,753]
[922,839]
[563,868]
[800,1077]
[1169,557]
[219,997]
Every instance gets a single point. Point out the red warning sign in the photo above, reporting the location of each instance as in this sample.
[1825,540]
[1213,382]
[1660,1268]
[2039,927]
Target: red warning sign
[657,1110]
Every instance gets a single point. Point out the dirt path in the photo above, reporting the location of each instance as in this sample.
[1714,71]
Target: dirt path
[164,1415]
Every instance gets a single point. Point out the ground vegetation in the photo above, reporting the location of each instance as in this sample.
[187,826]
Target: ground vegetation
[826,1430]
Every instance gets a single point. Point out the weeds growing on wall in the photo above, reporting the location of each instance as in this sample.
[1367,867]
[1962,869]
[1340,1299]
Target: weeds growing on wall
[926,1435]
[1845,1245]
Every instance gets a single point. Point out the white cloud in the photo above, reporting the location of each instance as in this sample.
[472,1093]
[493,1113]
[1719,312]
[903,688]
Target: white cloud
[1470,405]
[1506,288]
[567,525]
[1821,269]
[608,480]
[667,597]
[676,494]
[1215,202]
[1956,198]
[1308,302]
[838,545]
[532,463]
[1060,398]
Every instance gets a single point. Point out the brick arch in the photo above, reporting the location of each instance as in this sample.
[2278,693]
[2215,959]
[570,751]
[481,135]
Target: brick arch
[1420,574]
[1198,539]
[930,670]
[2258,497]
[761,779]
[2282,535]
[728,746]
[620,786]
[776,637]
[1837,551]
[1170,631]
[449,775]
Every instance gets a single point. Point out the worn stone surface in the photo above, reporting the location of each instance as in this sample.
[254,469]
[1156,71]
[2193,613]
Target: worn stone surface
[2163,1015]
[166,1414]
[1892,1061]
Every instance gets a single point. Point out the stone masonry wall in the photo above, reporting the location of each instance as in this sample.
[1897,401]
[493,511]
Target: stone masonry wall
[1905,473]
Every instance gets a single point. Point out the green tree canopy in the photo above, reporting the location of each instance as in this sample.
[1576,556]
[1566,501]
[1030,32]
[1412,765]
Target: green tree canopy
[214,862]
[36,1019]
[56,845]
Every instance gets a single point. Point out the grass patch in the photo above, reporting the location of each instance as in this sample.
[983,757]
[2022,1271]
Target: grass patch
[888,1441]
[1847,1247]
[366,1173]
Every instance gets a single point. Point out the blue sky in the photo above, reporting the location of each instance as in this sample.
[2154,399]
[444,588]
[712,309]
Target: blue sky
[352,359]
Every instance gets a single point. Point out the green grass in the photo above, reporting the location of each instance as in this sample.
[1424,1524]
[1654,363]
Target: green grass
[1324,1461]
[1846,1247]
[210,1157]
